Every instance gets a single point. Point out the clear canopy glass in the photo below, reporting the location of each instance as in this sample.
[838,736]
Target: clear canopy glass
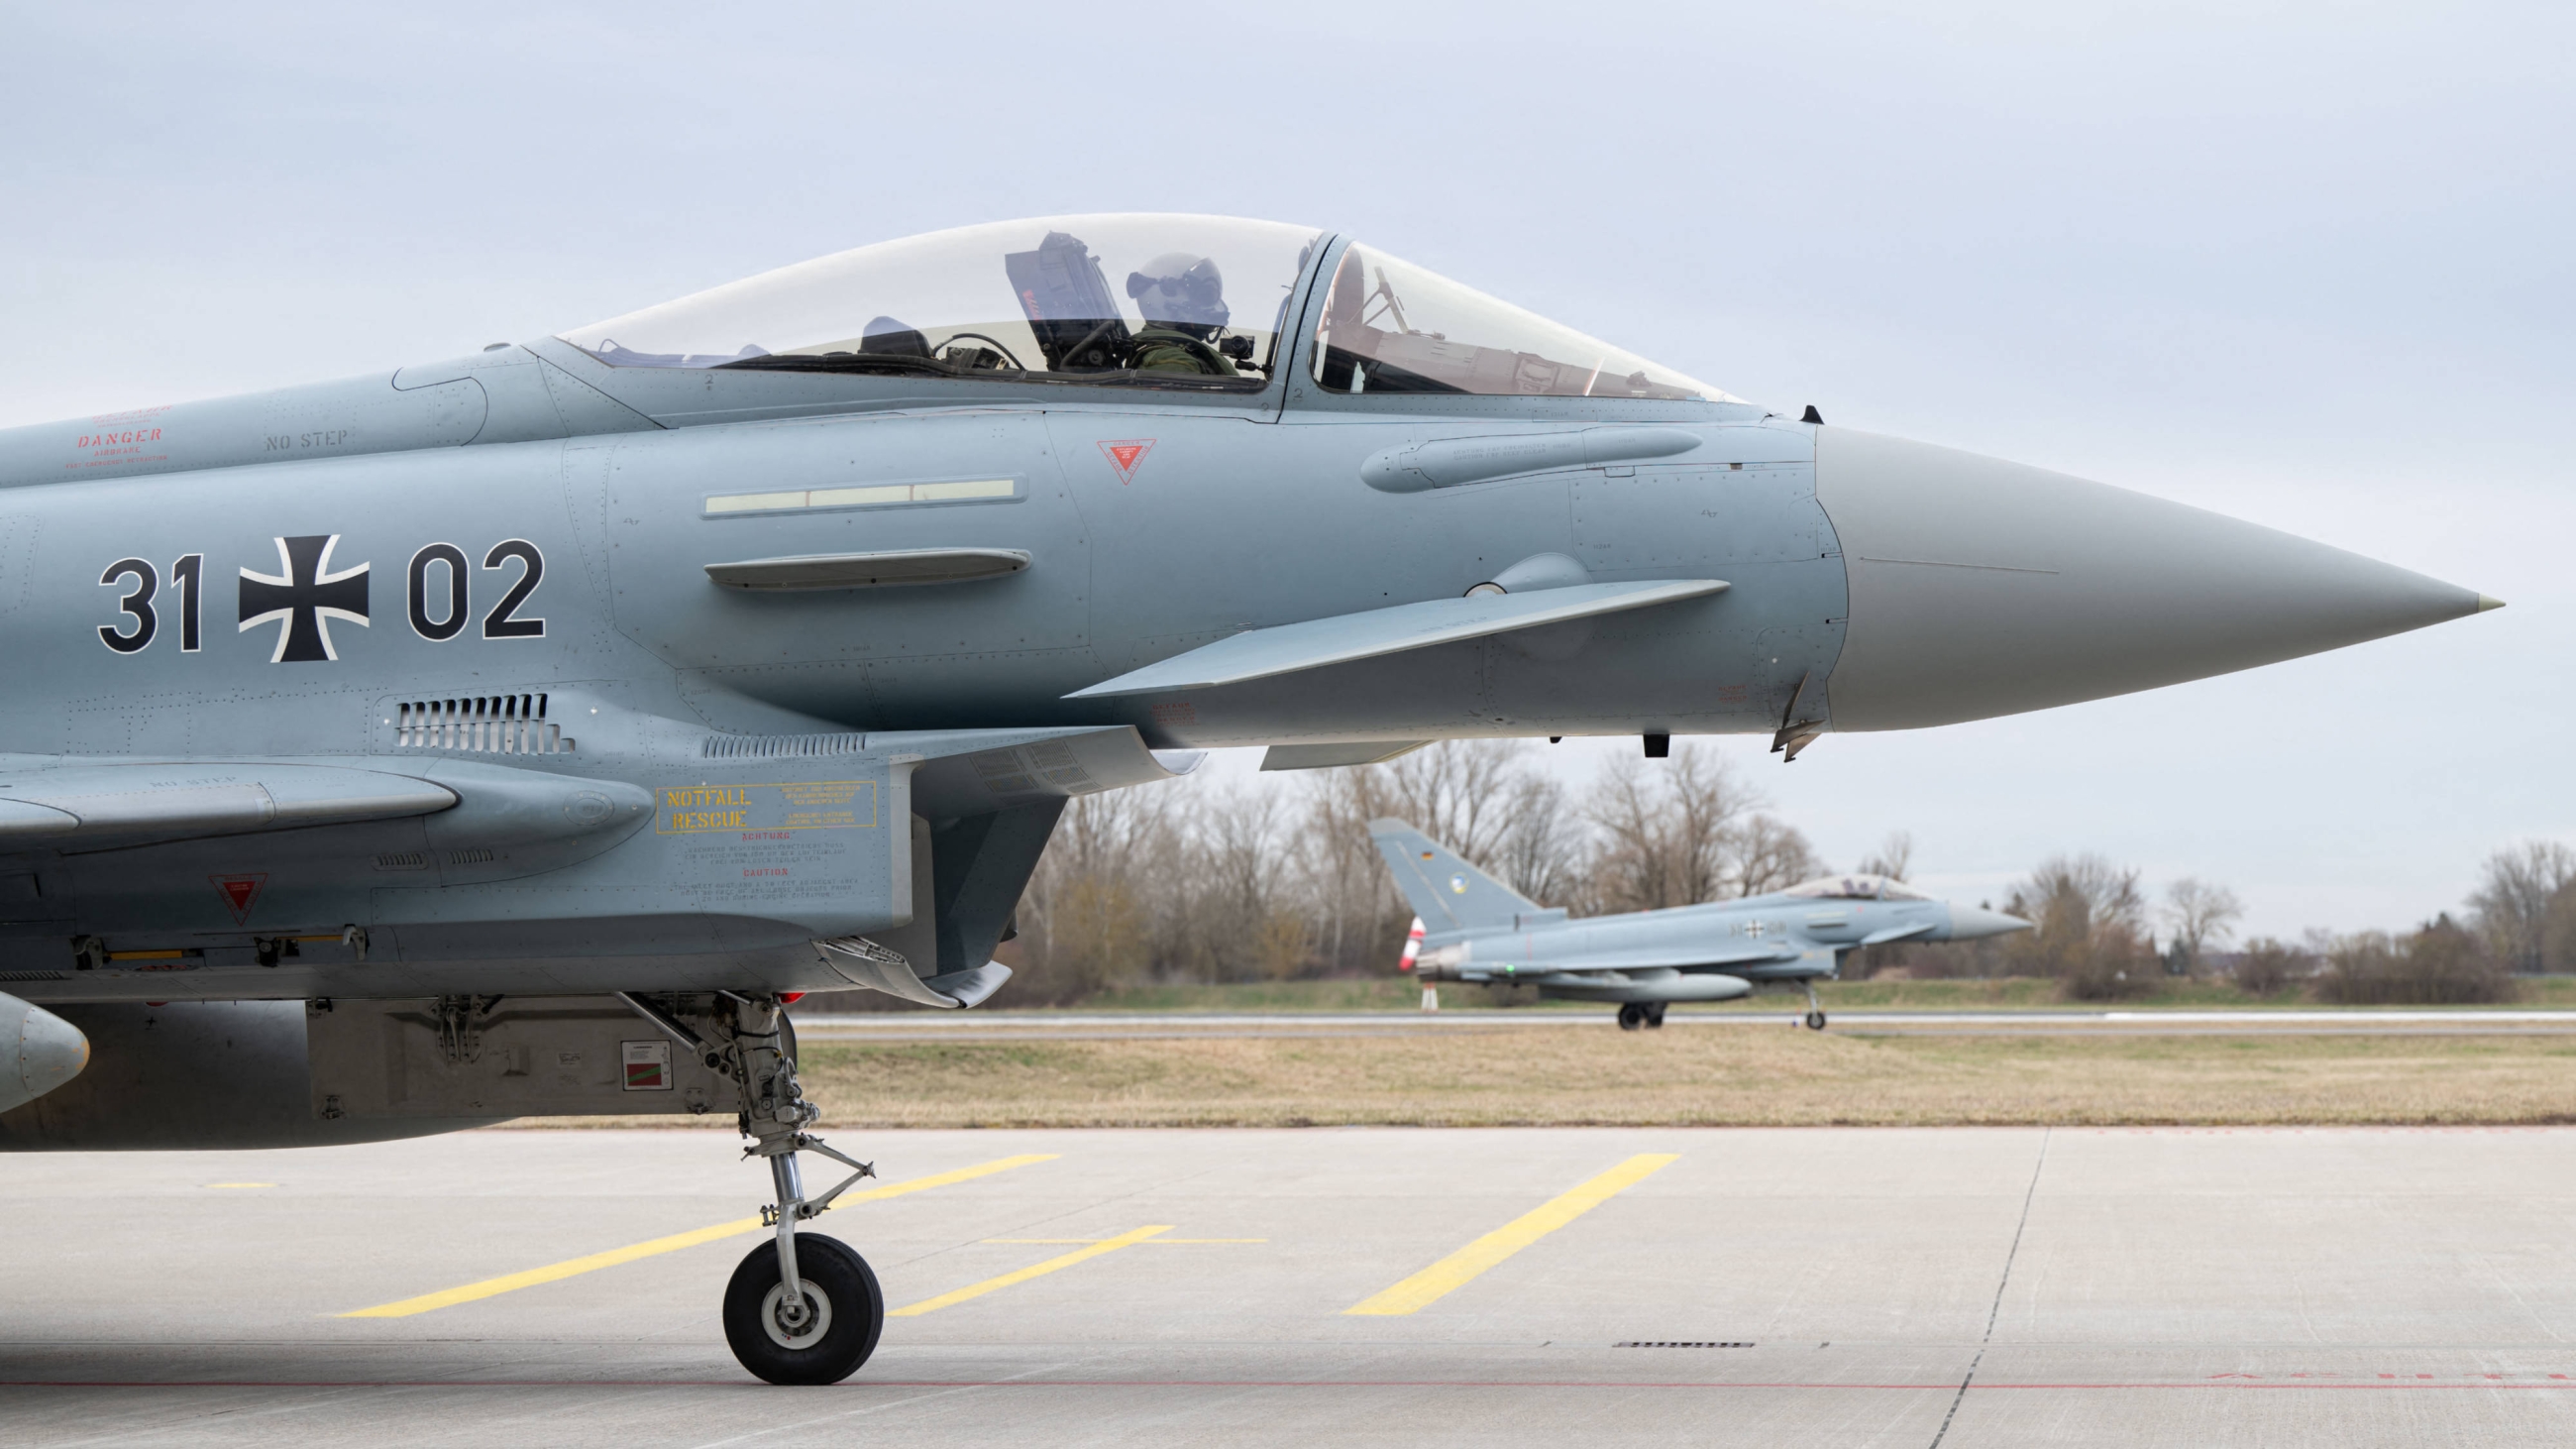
[1390,326]
[1173,301]
[1857,888]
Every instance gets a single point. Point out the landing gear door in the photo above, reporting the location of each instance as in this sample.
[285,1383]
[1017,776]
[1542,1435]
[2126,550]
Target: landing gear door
[516,1056]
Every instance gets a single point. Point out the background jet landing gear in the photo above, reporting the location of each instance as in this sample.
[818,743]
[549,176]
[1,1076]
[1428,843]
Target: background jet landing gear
[1641,1013]
[801,1310]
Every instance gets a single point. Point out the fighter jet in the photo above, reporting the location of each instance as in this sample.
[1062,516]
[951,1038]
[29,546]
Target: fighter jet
[586,698]
[1474,928]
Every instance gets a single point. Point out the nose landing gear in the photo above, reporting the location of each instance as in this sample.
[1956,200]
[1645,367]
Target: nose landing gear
[802,1309]
[1815,1010]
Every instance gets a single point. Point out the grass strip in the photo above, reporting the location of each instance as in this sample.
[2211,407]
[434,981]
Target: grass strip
[1697,1078]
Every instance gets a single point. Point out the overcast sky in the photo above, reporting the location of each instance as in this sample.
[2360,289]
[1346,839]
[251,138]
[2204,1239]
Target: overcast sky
[2309,265]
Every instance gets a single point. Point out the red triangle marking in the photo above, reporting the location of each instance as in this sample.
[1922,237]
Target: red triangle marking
[239,892]
[1125,453]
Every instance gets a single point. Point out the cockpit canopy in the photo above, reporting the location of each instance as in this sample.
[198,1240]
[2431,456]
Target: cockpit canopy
[1856,888]
[1390,326]
[1180,300]
[1196,302]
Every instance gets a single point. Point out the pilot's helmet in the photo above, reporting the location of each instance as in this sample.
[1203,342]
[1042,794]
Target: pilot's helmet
[1181,290]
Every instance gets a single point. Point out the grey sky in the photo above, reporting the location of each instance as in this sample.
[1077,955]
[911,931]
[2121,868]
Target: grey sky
[2310,266]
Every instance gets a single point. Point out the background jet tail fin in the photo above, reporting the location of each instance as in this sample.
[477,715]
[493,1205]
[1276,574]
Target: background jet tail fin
[1447,892]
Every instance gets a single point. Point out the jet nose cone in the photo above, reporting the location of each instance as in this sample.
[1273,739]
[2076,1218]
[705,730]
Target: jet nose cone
[44,1051]
[1980,587]
[1967,923]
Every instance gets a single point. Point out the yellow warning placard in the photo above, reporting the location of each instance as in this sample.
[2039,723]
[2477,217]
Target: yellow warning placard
[794,805]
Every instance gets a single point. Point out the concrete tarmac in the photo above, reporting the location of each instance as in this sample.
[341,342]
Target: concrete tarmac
[1917,1287]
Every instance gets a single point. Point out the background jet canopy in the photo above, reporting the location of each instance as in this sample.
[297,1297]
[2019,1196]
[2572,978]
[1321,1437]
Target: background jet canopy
[1390,326]
[1054,298]
[1856,888]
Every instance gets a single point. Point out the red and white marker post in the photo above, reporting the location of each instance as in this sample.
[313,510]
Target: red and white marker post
[1413,948]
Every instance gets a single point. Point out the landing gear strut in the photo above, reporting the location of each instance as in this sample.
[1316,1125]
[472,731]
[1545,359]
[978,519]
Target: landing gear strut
[1815,1010]
[802,1309]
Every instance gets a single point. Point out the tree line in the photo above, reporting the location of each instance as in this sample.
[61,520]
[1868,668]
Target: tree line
[1276,878]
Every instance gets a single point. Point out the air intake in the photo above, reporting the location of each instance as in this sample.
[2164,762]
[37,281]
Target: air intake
[491,724]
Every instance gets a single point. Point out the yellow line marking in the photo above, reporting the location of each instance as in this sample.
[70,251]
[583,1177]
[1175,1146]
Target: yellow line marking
[575,1267]
[1037,1270]
[1148,1242]
[1461,1267]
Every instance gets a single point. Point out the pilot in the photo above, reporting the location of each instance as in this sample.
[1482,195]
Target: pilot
[1182,298]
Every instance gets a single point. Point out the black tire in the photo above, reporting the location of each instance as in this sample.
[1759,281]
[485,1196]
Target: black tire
[1654,1014]
[1815,1021]
[1631,1017]
[846,1298]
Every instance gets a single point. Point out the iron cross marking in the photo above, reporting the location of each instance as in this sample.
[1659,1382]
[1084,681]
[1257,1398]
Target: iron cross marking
[304,598]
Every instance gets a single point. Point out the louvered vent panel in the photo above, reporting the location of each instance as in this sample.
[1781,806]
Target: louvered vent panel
[780,747]
[490,724]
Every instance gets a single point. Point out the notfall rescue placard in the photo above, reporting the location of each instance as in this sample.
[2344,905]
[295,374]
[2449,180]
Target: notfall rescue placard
[768,843]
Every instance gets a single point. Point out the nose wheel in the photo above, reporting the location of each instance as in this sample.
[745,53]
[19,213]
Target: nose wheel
[821,1335]
[1815,1010]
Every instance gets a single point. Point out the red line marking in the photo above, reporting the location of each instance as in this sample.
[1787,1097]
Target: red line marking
[1947,1387]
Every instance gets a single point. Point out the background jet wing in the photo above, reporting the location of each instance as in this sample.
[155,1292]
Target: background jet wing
[1291,648]
[84,805]
[1679,960]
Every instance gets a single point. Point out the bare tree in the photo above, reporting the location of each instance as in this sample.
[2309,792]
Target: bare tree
[1893,858]
[1769,855]
[1546,853]
[2266,967]
[2200,915]
[2558,931]
[1234,928]
[1087,920]
[2085,908]
[1668,830]
[2510,907]
[1457,791]
[2439,964]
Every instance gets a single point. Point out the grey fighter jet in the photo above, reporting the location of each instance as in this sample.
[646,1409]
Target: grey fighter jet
[1478,930]
[515,733]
